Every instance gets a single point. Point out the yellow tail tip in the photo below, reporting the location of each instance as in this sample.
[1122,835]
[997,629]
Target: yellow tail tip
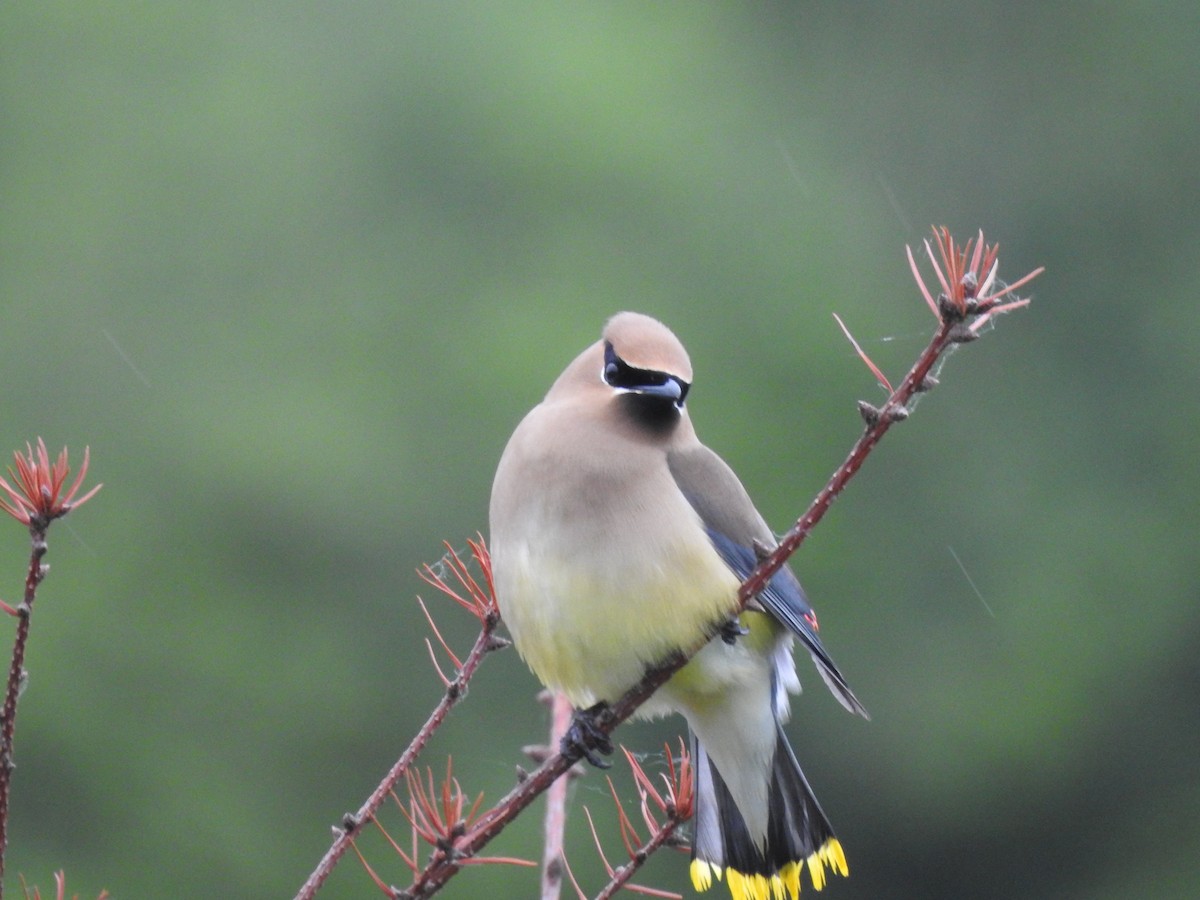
[783,885]
[751,887]
[831,853]
[703,874]
[789,875]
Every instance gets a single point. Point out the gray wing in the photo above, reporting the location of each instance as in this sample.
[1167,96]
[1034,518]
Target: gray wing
[734,526]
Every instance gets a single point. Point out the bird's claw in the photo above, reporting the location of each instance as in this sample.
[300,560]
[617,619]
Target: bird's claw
[731,630]
[585,737]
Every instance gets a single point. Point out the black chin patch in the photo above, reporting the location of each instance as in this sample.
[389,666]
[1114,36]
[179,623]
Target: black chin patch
[657,415]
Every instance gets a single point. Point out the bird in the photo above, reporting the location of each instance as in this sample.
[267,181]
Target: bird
[617,538]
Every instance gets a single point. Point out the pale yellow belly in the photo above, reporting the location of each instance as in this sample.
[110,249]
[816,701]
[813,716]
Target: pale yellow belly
[589,624]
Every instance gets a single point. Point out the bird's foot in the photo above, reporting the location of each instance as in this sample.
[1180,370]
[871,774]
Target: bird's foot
[585,737]
[731,630]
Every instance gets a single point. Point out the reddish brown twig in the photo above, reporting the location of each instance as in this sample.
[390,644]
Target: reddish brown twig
[60,889]
[663,820]
[966,302]
[436,814]
[439,813]
[619,877]
[479,600]
[875,370]
[556,804]
[964,305]
[37,496]
[969,299]
[492,822]
[960,308]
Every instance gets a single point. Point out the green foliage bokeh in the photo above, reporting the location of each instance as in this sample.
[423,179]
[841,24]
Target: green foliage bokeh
[294,272]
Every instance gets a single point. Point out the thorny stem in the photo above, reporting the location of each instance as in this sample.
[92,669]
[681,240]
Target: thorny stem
[443,867]
[878,422]
[677,806]
[621,876]
[455,692]
[965,301]
[16,675]
[37,495]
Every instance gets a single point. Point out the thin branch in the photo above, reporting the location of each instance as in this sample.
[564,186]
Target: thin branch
[437,633]
[912,264]
[38,499]
[952,309]
[676,808]
[383,886]
[406,858]
[16,677]
[867,361]
[628,831]
[961,305]
[486,642]
[620,877]
[556,805]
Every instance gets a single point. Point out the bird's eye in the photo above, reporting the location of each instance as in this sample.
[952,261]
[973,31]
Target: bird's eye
[617,372]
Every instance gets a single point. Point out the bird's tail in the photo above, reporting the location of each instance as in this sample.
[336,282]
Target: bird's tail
[798,834]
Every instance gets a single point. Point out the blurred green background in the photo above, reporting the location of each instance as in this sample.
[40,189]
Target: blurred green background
[294,271]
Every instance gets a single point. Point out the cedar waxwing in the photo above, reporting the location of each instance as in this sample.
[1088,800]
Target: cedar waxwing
[617,538]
